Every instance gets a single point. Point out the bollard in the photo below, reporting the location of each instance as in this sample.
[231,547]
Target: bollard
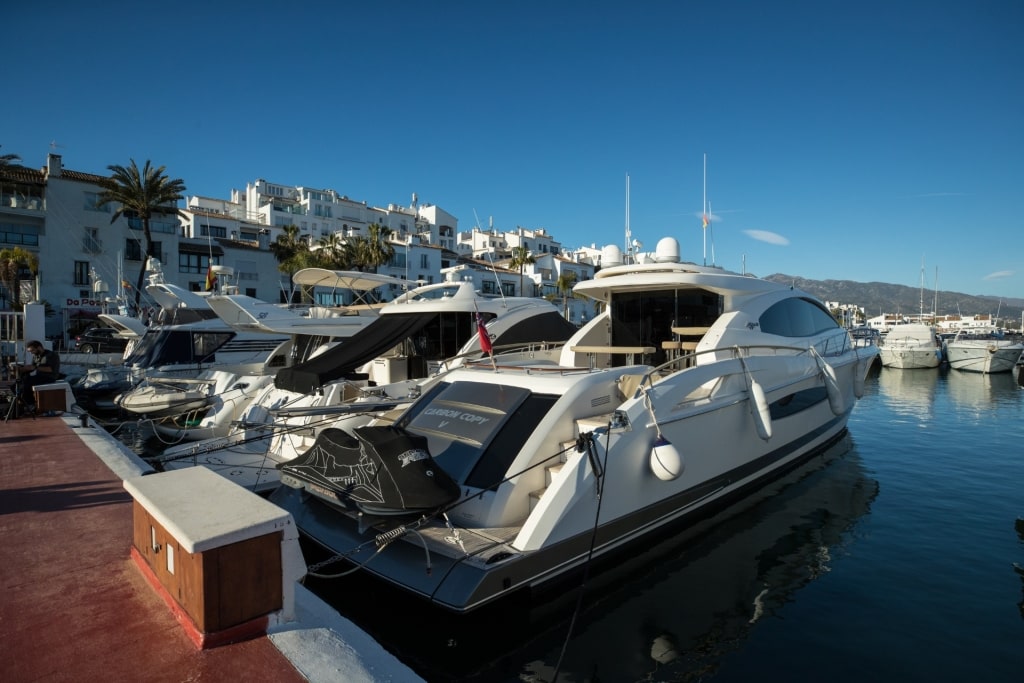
[84,417]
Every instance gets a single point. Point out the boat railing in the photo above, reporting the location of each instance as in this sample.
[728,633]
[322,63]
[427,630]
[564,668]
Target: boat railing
[825,348]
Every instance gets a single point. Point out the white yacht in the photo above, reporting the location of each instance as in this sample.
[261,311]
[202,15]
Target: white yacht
[986,352]
[914,345]
[416,337]
[692,388]
[209,405]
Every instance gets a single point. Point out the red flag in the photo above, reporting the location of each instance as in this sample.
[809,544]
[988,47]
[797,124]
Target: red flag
[485,339]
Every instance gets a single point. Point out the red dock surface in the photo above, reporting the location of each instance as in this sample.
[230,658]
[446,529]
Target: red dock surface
[74,607]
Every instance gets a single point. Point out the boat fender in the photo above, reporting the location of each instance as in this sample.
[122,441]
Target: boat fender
[758,405]
[666,460]
[835,393]
[759,410]
[859,375]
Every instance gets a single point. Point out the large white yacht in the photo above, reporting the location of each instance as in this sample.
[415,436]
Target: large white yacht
[693,387]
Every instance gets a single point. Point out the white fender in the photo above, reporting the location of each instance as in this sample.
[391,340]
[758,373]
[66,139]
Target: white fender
[859,374]
[666,460]
[835,393]
[758,405]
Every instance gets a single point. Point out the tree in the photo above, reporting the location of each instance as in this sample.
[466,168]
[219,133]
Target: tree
[8,159]
[140,195]
[521,257]
[13,261]
[564,284]
[333,253]
[379,249]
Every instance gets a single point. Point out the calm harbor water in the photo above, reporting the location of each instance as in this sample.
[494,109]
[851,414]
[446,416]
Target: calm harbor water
[890,558]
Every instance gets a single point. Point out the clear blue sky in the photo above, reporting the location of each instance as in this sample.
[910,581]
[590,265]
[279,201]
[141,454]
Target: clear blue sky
[846,140]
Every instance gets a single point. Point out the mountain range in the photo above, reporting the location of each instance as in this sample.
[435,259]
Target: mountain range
[877,298]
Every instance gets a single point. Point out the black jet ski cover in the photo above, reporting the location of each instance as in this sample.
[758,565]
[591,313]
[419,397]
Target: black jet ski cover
[381,470]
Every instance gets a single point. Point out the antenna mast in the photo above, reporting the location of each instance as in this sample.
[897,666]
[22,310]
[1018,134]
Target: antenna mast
[629,233]
[704,210]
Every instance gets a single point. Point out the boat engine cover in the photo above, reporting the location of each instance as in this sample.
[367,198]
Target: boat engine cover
[382,470]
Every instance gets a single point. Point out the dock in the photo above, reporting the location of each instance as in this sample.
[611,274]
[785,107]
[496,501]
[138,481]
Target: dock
[75,606]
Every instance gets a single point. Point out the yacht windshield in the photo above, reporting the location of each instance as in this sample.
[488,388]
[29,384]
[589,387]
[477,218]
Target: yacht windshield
[475,430]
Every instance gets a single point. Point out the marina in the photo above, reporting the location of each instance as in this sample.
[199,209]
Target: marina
[876,556]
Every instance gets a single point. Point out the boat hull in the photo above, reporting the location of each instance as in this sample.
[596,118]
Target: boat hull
[983,356]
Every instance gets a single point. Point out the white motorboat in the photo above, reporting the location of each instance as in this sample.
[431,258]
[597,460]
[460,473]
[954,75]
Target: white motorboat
[311,330]
[417,336]
[983,352]
[914,345]
[693,388]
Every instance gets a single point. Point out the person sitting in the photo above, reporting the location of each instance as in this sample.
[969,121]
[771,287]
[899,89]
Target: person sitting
[44,369]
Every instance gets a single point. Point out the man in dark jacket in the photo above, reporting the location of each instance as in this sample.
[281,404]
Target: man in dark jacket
[44,369]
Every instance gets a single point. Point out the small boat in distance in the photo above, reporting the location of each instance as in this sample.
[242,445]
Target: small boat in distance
[914,345]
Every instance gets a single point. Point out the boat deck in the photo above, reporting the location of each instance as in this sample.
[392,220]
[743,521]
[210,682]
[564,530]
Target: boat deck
[75,607]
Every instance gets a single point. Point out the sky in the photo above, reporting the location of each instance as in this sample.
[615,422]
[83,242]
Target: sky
[866,141]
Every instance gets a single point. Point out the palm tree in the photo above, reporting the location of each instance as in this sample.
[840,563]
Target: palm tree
[13,261]
[8,159]
[141,194]
[292,251]
[379,249]
[564,285]
[333,252]
[521,257]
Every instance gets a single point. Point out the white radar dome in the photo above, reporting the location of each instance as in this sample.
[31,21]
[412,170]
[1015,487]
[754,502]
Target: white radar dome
[667,250]
[611,255]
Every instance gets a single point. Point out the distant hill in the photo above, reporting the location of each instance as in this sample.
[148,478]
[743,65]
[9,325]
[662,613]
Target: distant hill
[880,297]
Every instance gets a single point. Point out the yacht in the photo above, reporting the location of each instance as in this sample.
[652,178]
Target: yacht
[221,395]
[692,388]
[914,345]
[986,352]
[416,338]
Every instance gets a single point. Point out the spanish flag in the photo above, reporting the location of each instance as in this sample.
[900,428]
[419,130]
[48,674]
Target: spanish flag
[211,279]
[704,220]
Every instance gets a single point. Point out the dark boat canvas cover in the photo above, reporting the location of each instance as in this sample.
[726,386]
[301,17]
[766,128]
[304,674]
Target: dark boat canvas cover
[373,340]
[381,470]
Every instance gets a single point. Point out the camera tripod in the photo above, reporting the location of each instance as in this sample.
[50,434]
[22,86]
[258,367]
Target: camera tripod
[16,408]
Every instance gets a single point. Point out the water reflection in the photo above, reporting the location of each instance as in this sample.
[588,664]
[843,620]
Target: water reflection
[1019,526]
[910,392]
[671,612]
[979,391]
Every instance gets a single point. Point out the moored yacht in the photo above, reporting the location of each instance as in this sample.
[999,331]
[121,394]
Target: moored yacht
[693,387]
[983,352]
[416,338]
[914,345]
[223,394]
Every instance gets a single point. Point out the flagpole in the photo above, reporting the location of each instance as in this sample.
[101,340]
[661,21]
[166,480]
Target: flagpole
[704,210]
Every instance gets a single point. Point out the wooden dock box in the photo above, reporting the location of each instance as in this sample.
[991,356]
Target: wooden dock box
[224,559]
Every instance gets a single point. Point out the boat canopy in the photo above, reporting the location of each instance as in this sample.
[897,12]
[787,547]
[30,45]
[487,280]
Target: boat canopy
[372,341]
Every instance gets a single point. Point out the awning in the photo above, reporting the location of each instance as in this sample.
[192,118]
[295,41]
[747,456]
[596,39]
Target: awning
[373,340]
[204,249]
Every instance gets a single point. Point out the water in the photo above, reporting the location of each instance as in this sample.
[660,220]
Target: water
[891,558]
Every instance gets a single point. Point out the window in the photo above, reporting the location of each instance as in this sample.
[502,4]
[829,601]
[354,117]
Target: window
[92,203]
[194,263]
[81,273]
[796,318]
[133,250]
[424,261]
[12,233]
[213,231]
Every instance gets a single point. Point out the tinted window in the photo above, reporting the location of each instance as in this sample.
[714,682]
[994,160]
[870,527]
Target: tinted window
[797,318]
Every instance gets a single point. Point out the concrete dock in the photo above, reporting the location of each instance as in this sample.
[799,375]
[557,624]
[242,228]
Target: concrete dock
[75,607]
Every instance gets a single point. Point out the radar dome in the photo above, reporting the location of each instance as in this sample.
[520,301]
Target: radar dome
[611,255]
[667,250]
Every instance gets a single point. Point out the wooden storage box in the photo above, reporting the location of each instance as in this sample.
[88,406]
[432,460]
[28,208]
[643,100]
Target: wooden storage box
[227,558]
